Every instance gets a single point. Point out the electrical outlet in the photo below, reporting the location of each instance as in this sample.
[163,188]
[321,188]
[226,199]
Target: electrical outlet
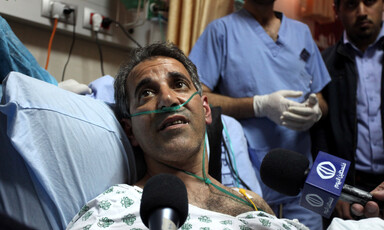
[51,9]
[87,22]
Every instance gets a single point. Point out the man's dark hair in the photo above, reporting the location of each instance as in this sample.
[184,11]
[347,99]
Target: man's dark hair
[163,49]
[337,3]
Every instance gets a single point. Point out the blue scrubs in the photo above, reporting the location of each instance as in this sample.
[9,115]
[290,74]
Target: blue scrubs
[16,57]
[237,58]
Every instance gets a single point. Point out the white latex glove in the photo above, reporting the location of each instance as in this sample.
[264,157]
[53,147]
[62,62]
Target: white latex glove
[273,105]
[75,87]
[302,117]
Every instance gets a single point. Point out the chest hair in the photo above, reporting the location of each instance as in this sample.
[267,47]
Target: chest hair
[214,200]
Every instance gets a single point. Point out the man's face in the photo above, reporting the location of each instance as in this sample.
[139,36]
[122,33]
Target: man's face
[164,82]
[361,18]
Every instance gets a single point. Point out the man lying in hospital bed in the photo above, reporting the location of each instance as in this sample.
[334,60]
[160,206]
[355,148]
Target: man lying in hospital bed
[59,149]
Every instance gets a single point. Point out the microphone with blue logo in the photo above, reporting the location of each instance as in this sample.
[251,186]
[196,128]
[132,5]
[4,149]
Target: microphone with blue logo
[288,172]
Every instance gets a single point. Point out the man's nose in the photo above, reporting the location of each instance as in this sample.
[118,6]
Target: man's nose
[361,9]
[167,98]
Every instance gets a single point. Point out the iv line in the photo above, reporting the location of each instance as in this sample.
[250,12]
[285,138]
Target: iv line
[208,181]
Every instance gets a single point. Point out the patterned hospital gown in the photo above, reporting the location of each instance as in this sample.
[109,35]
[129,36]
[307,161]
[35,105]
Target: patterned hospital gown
[119,208]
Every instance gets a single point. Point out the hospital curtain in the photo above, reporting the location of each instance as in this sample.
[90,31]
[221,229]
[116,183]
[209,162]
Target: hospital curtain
[187,19]
[320,11]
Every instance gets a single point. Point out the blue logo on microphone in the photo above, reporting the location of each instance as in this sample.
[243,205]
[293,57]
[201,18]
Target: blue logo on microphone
[324,183]
[326,170]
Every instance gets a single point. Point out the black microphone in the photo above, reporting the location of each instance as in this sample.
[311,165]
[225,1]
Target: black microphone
[288,172]
[164,203]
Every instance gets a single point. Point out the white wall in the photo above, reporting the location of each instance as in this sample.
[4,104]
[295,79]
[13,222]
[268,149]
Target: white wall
[84,65]
[34,32]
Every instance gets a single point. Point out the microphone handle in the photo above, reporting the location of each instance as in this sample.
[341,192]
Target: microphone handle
[163,219]
[354,195]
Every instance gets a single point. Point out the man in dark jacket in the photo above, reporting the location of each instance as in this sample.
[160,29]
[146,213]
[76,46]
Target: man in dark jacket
[353,129]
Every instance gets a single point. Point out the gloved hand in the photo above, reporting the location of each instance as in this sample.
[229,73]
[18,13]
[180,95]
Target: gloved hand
[273,105]
[302,117]
[75,87]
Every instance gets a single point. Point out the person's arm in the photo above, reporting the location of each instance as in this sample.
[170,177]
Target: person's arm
[271,105]
[322,104]
[371,209]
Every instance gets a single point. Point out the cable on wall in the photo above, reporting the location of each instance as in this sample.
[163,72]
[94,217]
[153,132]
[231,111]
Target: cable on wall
[107,21]
[100,54]
[50,42]
[96,20]
[69,11]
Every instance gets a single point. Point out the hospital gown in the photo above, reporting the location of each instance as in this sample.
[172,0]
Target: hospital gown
[119,207]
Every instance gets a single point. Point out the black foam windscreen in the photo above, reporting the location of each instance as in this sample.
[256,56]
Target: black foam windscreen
[284,171]
[164,191]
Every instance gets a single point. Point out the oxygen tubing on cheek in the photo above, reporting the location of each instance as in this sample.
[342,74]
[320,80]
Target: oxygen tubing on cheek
[165,109]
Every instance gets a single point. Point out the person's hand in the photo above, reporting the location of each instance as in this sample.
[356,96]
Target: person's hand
[75,87]
[371,209]
[273,105]
[302,117]
[342,210]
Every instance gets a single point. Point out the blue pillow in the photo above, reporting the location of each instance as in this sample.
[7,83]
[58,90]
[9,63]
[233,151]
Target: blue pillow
[102,89]
[58,151]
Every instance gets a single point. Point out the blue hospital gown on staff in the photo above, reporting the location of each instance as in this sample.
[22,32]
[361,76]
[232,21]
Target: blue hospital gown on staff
[236,57]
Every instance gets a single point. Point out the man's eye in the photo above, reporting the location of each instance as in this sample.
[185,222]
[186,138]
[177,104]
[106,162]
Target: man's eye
[180,85]
[146,93]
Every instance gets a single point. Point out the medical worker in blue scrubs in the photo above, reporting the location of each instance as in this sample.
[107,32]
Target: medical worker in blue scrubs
[265,70]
